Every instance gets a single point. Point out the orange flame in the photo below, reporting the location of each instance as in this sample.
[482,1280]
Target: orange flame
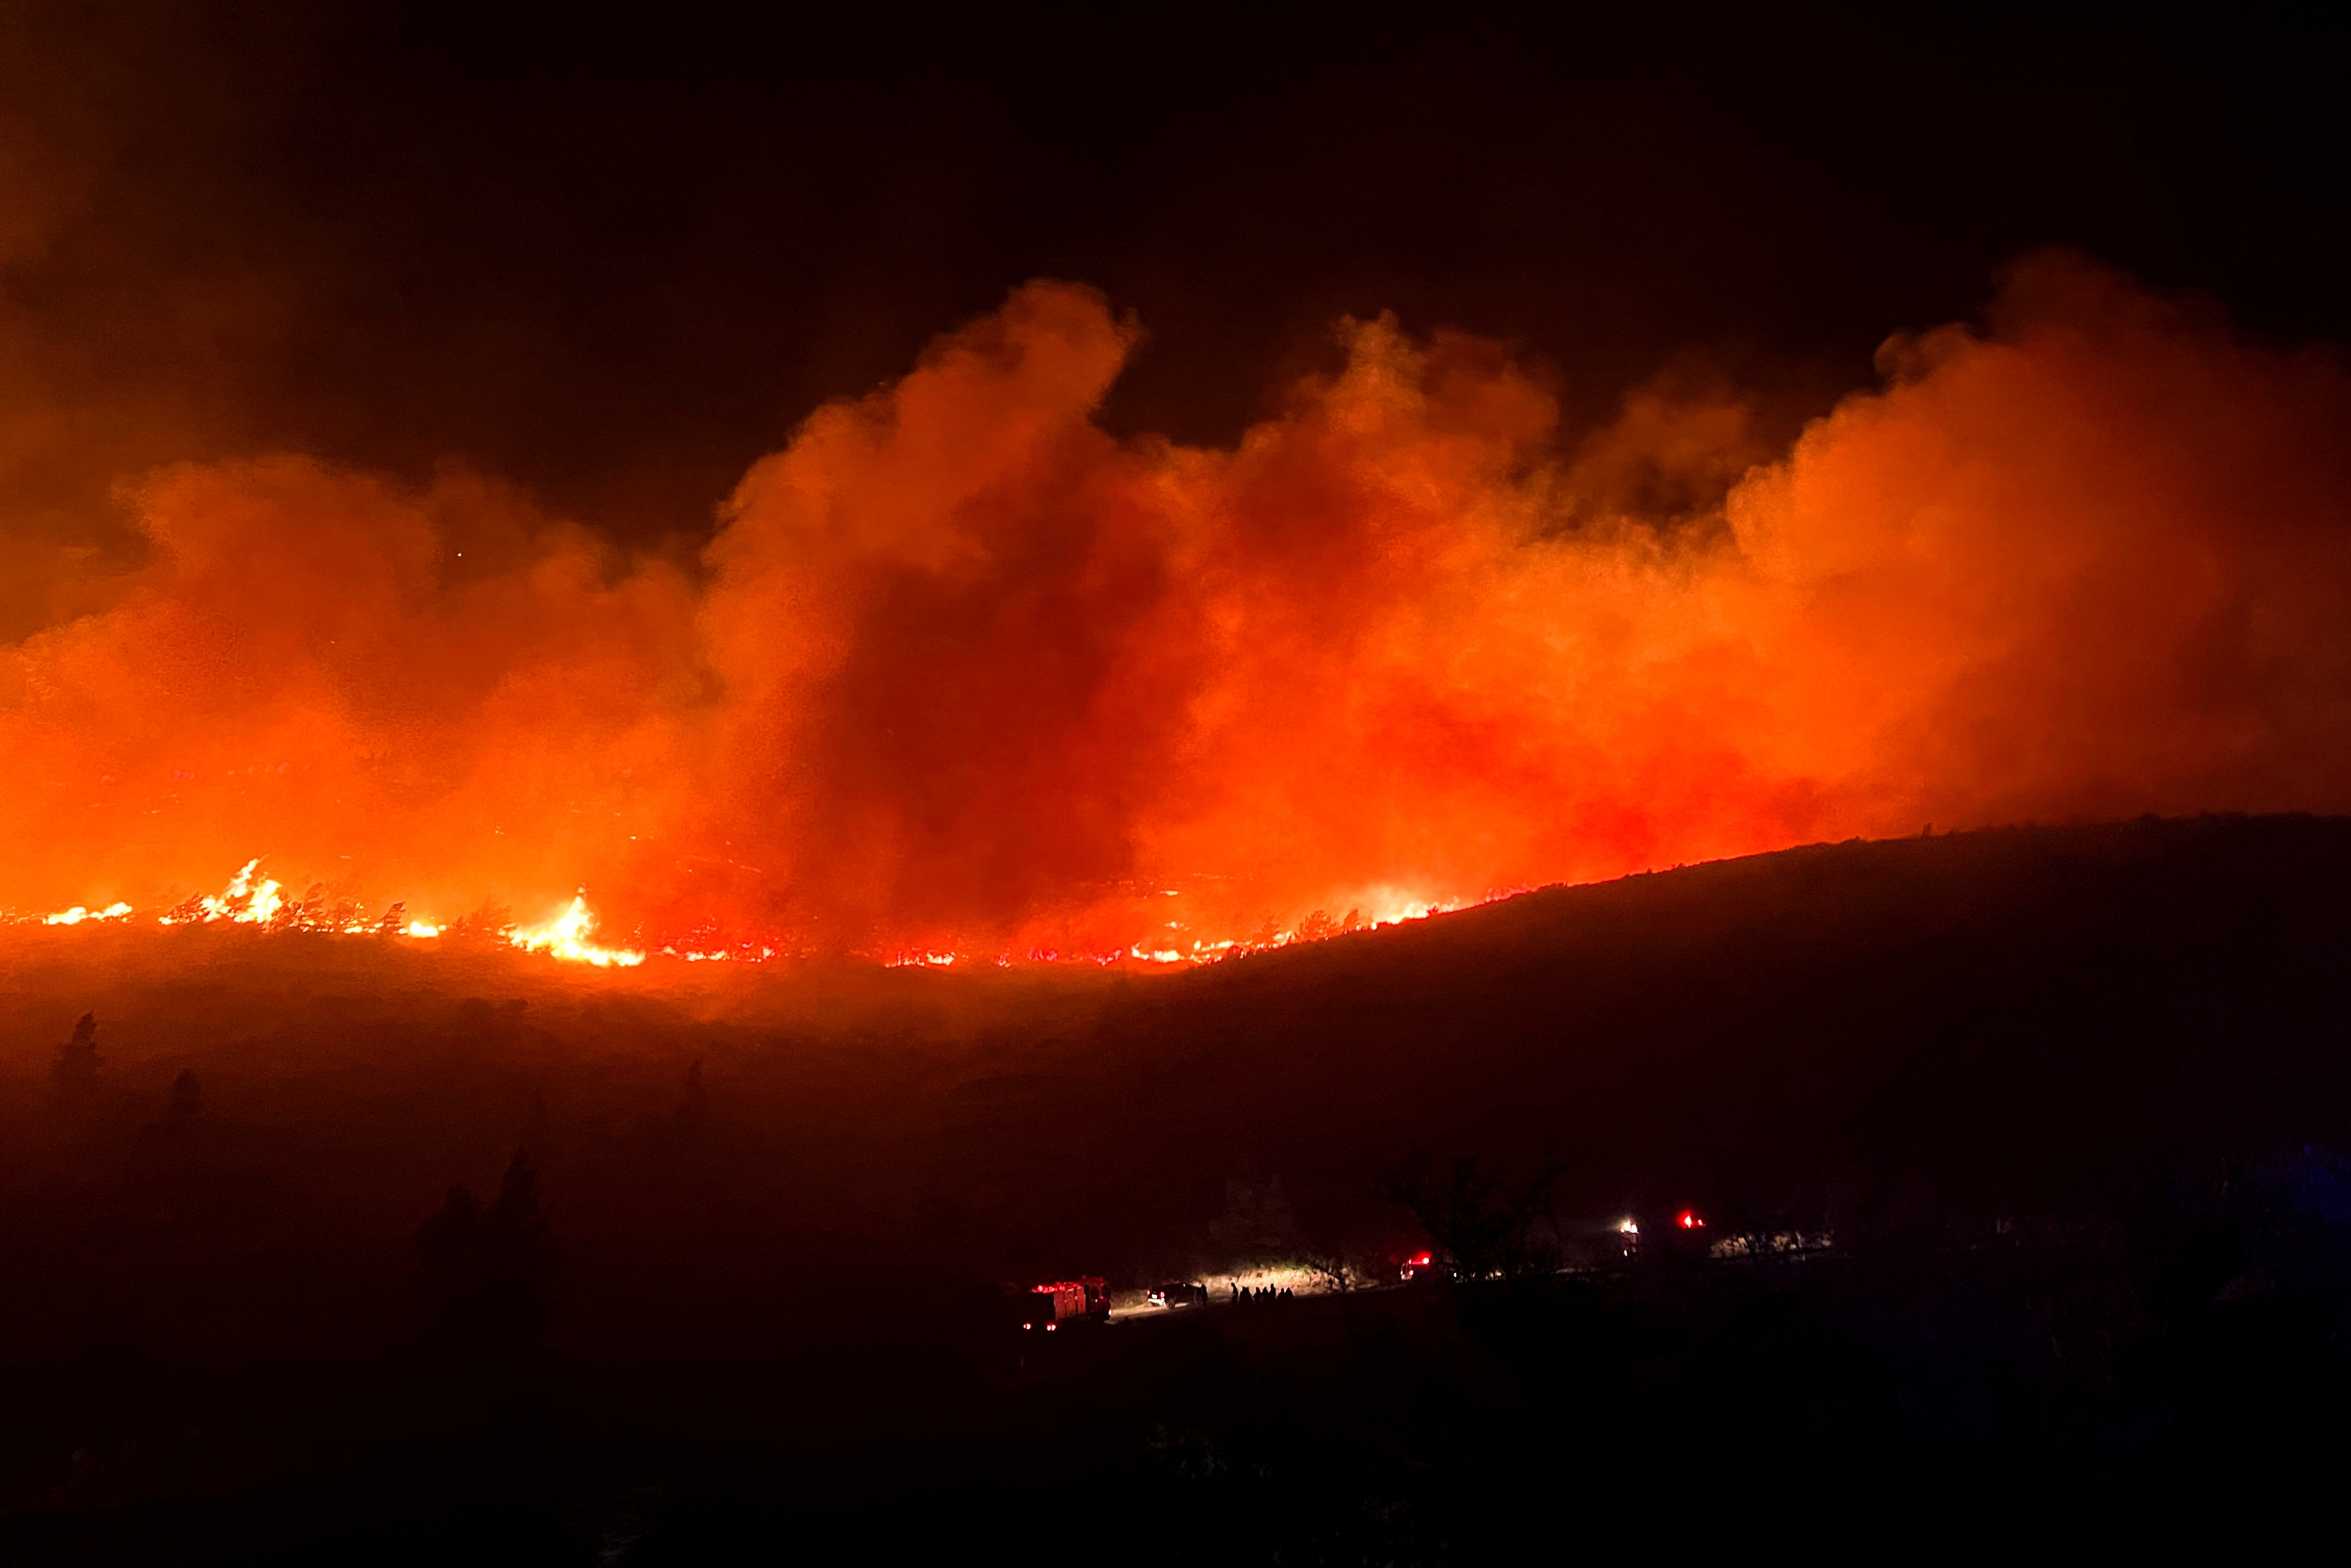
[78,914]
[565,936]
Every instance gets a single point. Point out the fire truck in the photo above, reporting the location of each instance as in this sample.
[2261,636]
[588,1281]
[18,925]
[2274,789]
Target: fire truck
[1061,1304]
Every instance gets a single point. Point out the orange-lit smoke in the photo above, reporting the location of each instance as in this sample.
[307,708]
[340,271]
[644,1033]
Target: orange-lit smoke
[962,672]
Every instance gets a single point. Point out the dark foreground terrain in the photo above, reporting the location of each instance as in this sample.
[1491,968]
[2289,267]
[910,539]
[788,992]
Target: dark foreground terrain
[2060,1112]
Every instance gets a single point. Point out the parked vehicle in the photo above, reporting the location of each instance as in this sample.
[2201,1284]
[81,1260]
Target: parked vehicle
[1060,1304]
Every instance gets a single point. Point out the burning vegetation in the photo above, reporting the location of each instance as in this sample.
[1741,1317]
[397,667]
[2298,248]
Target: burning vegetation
[963,677]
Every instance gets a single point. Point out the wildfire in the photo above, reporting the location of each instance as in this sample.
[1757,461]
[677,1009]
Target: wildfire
[1387,907]
[78,914]
[252,899]
[260,902]
[1376,909]
[244,901]
[965,678]
[565,936]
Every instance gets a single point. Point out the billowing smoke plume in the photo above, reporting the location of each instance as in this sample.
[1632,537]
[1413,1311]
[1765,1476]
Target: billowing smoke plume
[962,669]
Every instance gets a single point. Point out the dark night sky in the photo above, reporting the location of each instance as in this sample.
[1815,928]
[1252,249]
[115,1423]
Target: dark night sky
[616,259]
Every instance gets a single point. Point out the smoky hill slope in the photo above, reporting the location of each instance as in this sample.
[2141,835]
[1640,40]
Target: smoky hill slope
[1883,1038]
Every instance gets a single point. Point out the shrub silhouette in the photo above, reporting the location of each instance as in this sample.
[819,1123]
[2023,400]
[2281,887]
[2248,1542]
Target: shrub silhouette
[488,1275]
[187,1100]
[75,1072]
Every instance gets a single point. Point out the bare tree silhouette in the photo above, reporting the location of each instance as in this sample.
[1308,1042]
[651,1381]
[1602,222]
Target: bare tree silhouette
[1331,1266]
[1486,1227]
